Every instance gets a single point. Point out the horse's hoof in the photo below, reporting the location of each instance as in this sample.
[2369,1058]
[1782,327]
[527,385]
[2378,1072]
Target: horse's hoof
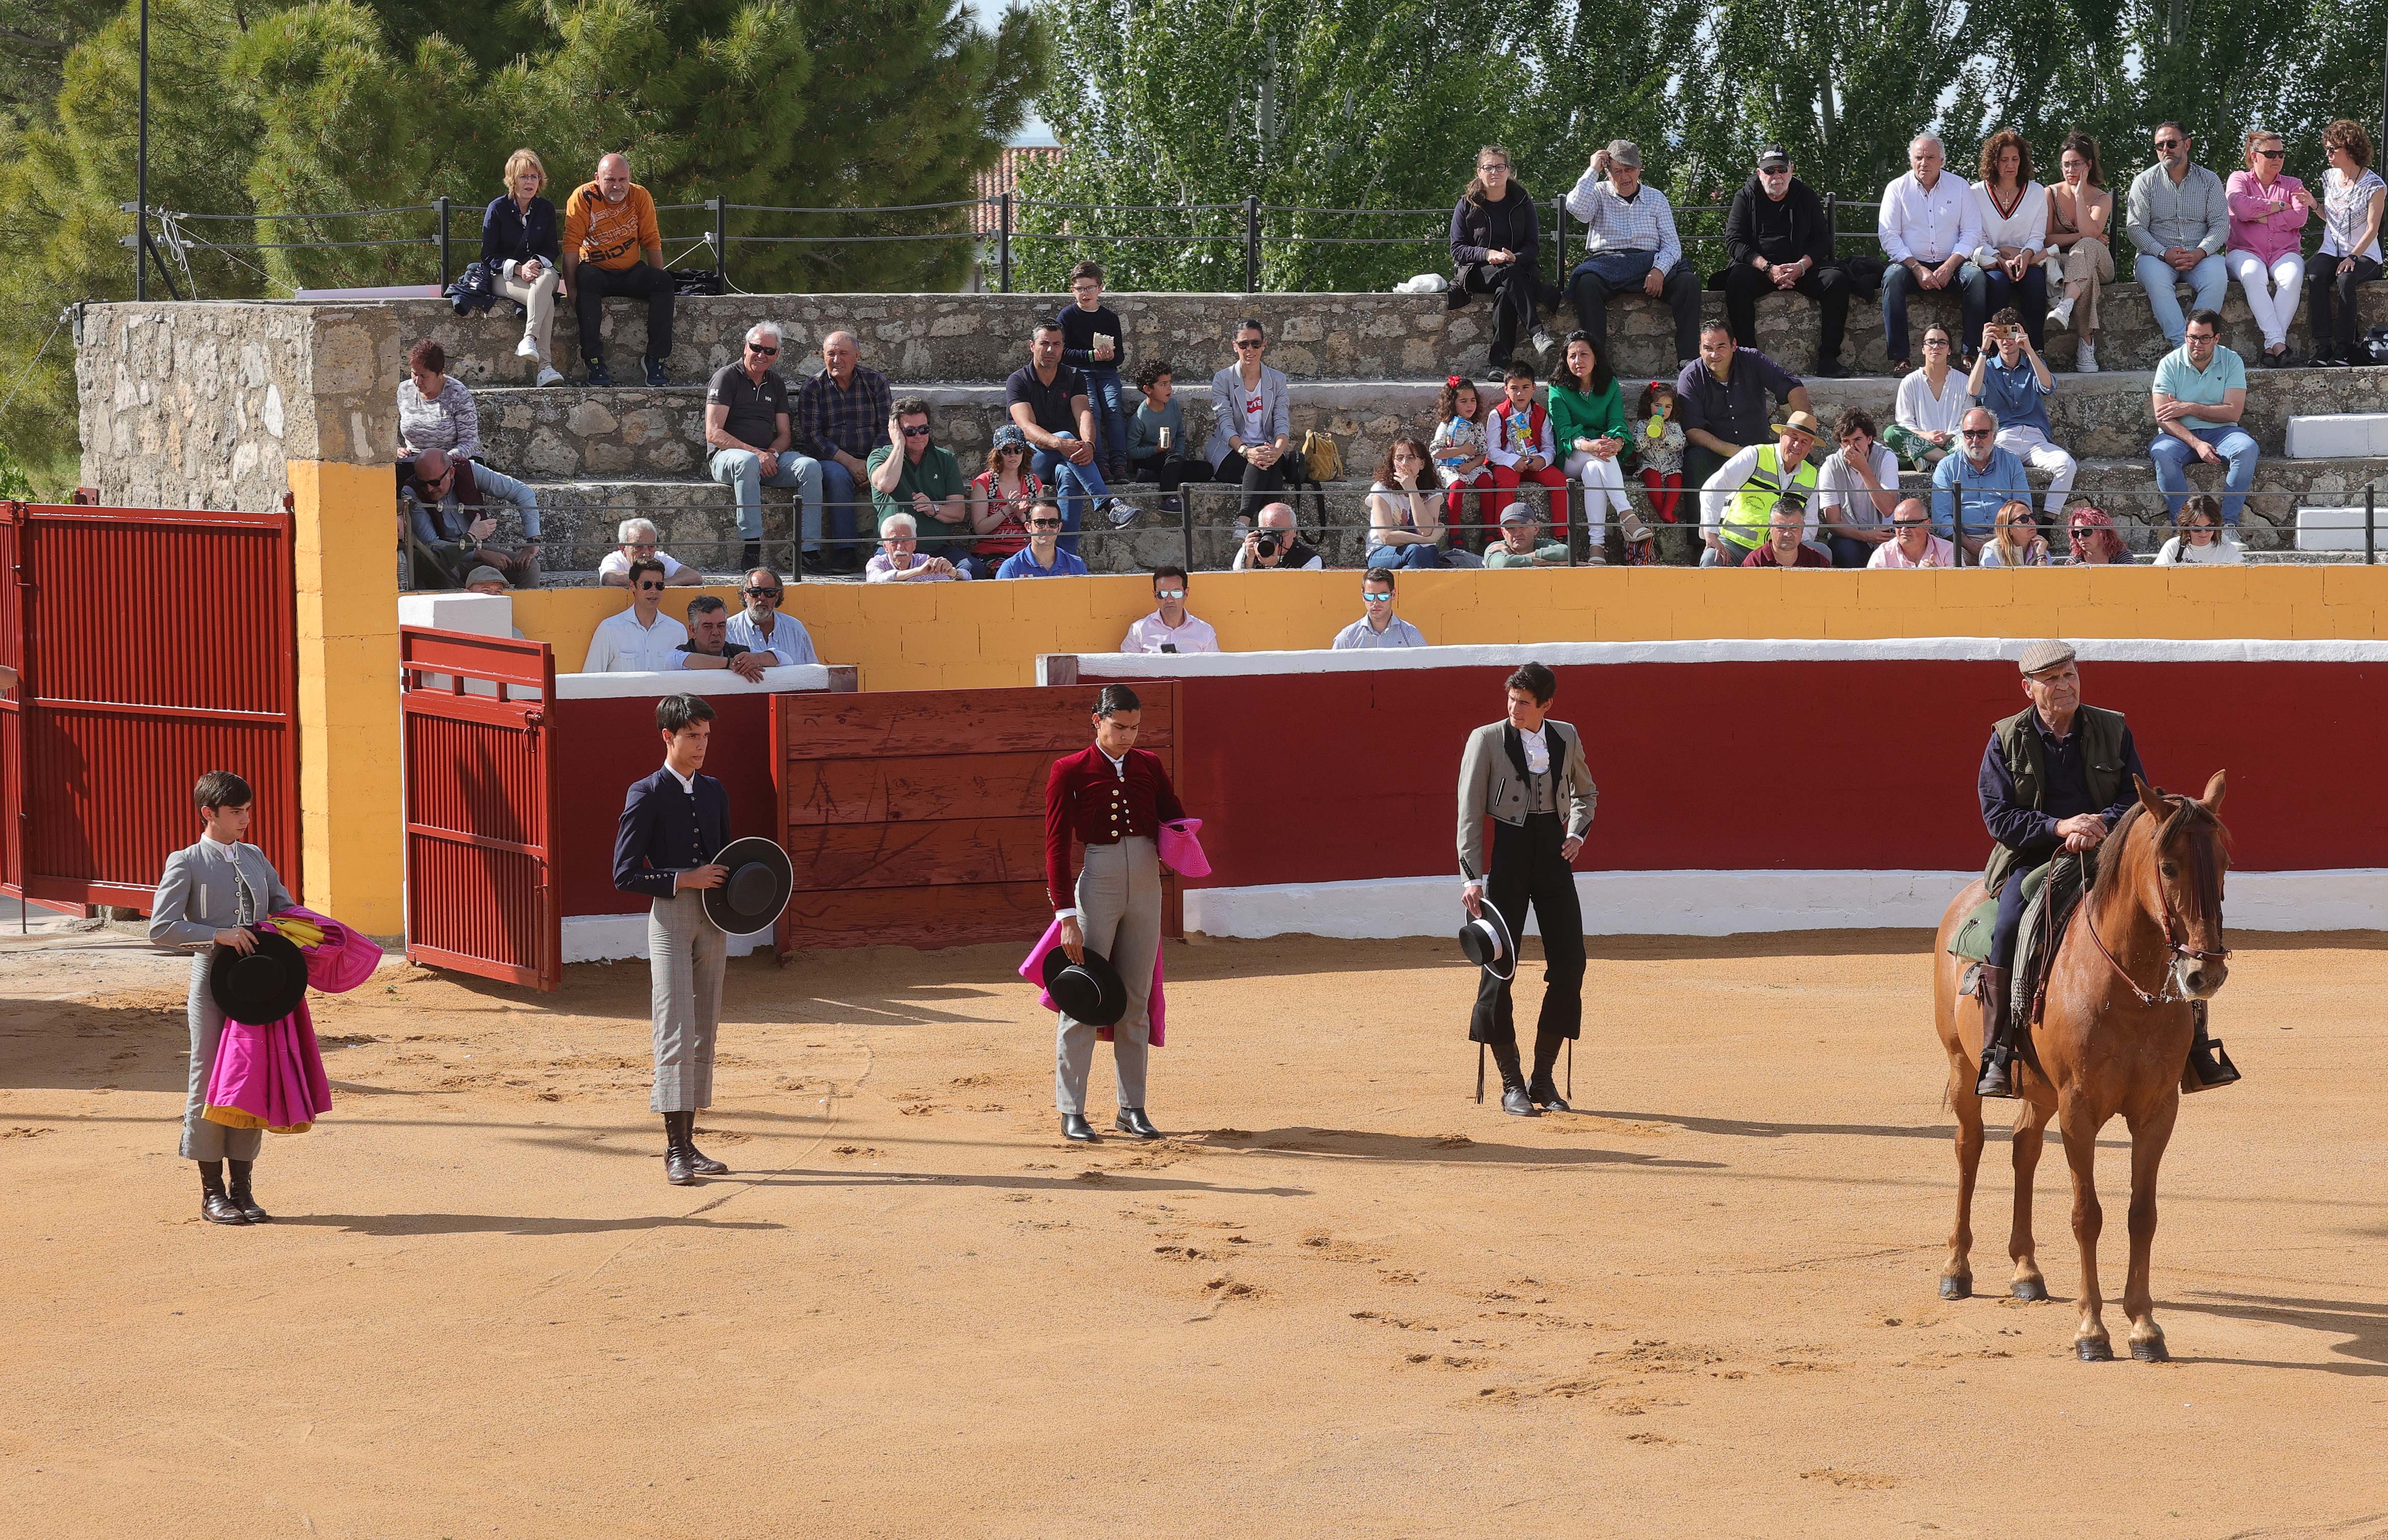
[2029,1289]
[2151,1352]
[1956,1288]
[2094,1350]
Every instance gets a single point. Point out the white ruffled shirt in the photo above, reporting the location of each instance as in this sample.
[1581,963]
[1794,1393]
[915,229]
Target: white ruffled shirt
[1538,753]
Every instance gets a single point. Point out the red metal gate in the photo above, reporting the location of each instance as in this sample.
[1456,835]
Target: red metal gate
[152,646]
[481,895]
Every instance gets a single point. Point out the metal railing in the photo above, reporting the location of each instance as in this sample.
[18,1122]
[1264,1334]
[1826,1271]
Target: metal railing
[1247,229]
[1210,527]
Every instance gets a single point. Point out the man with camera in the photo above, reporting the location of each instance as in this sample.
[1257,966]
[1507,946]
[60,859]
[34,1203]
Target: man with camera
[1272,545]
[1170,628]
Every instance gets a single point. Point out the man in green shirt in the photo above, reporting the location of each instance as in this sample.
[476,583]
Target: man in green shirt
[908,475]
[1520,543]
[2199,397]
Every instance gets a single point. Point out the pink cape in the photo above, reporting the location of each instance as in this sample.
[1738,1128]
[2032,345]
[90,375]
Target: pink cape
[346,959]
[1032,968]
[1181,852]
[269,1077]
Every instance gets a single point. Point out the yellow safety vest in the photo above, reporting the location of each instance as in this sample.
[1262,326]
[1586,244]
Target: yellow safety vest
[1746,521]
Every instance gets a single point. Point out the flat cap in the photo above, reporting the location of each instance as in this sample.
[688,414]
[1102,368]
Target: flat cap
[484,574]
[2041,656]
[1625,153]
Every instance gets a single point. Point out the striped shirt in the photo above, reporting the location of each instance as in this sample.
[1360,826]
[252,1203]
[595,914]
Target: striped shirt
[853,419]
[450,421]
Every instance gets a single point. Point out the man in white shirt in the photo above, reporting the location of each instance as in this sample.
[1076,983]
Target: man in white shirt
[1928,230]
[638,539]
[1377,626]
[641,639]
[1170,628]
[760,627]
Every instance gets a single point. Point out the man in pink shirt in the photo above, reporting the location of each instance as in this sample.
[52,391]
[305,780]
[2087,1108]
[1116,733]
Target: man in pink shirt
[1914,545]
[1169,628]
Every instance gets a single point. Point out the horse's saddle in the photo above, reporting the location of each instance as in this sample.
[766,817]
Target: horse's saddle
[2051,892]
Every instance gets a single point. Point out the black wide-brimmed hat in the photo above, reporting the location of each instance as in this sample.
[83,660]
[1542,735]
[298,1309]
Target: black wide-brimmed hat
[1486,940]
[259,987]
[751,897]
[1089,991]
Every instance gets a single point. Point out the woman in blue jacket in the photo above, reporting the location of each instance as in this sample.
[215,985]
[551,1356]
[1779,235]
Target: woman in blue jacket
[520,250]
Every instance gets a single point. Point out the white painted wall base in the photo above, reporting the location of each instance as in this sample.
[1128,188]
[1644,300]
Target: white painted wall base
[611,938]
[1726,904]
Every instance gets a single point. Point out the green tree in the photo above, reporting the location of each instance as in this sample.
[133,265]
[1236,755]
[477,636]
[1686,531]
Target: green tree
[35,38]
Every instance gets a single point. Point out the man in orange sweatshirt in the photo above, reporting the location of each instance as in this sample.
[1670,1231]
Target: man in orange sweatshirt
[612,245]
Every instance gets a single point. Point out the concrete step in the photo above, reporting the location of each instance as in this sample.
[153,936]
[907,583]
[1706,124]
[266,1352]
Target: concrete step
[570,431]
[983,338]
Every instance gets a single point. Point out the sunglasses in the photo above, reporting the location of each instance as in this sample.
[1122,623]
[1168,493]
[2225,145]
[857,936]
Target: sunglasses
[651,587]
[766,595]
[758,348]
[1977,433]
[920,432]
[1169,593]
[1044,524]
[2168,144]
[1367,598]
[2271,155]
[1908,523]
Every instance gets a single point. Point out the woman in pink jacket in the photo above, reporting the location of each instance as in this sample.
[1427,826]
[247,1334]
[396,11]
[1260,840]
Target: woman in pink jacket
[2268,220]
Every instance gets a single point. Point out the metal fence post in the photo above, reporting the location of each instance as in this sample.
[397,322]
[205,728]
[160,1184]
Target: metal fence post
[1003,244]
[442,203]
[1558,242]
[2370,524]
[1957,531]
[1186,525]
[1832,219]
[720,207]
[1251,243]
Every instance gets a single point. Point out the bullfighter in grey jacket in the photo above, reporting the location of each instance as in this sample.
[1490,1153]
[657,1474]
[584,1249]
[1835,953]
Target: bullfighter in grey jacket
[1529,775]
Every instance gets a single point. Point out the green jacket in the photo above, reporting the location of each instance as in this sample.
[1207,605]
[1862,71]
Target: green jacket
[2101,764]
[1575,415]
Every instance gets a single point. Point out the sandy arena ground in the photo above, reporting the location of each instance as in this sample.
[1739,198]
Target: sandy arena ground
[1343,1299]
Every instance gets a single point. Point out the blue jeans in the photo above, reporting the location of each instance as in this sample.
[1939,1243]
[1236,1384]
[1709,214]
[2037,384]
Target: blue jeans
[826,487]
[1417,554]
[2173,456]
[1109,399]
[1075,485]
[1607,273]
[1972,286]
[1847,550]
[742,472]
[2208,282]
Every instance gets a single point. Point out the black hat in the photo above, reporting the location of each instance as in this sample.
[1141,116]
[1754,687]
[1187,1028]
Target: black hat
[751,897]
[259,987]
[1772,155]
[1486,940]
[1089,991]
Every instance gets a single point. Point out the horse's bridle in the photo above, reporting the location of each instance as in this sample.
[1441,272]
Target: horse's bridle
[2172,947]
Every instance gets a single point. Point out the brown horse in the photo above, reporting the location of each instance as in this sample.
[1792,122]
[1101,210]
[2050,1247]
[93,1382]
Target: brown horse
[2114,1037]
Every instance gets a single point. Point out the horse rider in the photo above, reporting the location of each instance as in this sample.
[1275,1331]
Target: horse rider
[2055,777]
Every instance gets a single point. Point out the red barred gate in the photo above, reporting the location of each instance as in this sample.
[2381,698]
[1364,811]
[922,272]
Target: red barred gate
[481,895]
[152,646]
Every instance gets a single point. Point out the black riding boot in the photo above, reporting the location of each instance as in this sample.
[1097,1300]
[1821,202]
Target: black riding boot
[703,1164]
[1545,1093]
[1515,1099]
[215,1207]
[678,1168]
[1997,1077]
[241,1197]
[2208,1065]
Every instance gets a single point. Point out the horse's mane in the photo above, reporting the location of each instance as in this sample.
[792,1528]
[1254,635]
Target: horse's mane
[2185,812]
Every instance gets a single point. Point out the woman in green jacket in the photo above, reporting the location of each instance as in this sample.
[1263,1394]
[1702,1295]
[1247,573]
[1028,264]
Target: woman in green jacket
[1588,424]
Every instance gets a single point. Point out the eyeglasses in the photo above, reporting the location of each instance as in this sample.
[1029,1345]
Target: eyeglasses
[1491,166]
[1169,593]
[1935,342]
[920,432]
[1252,342]
[764,596]
[765,352]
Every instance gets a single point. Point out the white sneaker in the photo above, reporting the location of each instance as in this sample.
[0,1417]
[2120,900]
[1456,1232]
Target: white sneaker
[548,376]
[1121,514]
[526,349]
[2085,361]
[2060,315]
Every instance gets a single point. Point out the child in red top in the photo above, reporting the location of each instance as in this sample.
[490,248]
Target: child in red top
[1517,441]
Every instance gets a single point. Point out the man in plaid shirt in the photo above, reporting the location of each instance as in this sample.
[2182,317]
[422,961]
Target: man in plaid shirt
[841,416]
[1630,244]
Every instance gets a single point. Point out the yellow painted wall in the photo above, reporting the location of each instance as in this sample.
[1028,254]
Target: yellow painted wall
[351,806]
[974,635]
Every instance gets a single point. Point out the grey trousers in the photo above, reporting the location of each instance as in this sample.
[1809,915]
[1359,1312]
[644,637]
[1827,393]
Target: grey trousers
[685,956]
[1119,910]
[201,1139]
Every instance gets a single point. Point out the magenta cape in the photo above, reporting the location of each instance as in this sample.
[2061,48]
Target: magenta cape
[346,959]
[269,1077]
[1032,968]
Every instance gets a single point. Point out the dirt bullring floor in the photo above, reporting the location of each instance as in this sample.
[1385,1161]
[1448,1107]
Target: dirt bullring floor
[1342,1299]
